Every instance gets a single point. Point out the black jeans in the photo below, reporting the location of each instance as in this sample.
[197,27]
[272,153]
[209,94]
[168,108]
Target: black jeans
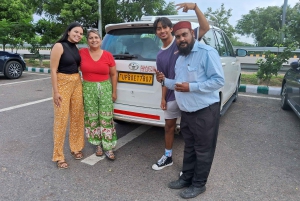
[200,132]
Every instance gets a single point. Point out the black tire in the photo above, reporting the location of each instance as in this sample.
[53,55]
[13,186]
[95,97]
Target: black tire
[283,103]
[236,93]
[13,70]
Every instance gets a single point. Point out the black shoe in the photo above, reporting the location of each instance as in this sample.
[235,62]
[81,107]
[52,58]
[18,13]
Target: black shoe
[178,184]
[192,192]
[162,163]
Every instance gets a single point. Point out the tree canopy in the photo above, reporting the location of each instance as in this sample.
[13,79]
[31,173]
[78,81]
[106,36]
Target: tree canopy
[265,25]
[59,13]
[220,18]
[15,22]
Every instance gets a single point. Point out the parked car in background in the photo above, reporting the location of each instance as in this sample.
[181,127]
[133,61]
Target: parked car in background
[134,46]
[12,65]
[290,90]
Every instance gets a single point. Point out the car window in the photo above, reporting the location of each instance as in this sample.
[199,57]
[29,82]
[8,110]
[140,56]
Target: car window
[141,42]
[229,45]
[209,39]
[221,46]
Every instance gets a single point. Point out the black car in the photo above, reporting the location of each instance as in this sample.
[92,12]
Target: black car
[290,90]
[12,65]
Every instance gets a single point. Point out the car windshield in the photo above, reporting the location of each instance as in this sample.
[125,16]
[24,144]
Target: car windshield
[132,44]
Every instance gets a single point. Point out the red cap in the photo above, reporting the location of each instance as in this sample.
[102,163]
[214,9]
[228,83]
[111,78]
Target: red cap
[182,25]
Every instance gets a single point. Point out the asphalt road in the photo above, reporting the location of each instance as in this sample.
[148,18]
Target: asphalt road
[257,156]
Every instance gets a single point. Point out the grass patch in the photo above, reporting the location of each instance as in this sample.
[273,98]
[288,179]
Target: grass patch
[252,79]
[36,63]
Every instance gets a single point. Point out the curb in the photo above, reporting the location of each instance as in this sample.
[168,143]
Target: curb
[40,70]
[256,89]
[260,89]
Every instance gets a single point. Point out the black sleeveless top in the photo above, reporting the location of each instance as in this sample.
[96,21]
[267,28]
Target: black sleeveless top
[70,59]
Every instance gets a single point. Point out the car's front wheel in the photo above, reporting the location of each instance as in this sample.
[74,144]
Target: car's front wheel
[284,97]
[13,70]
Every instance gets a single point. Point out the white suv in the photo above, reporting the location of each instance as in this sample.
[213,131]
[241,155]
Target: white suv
[135,46]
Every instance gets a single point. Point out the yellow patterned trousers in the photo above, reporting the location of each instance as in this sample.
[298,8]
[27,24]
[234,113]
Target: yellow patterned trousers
[70,89]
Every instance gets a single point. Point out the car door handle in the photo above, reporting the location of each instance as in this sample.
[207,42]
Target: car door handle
[223,64]
[232,63]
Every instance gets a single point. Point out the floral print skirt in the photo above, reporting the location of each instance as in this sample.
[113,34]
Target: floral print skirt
[98,117]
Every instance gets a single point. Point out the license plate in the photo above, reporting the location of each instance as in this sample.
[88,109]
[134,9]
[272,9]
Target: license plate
[135,78]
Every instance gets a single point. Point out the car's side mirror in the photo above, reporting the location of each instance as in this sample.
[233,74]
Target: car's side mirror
[294,64]
[240,52]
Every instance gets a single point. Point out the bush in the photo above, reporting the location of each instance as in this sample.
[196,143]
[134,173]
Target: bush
[269,67]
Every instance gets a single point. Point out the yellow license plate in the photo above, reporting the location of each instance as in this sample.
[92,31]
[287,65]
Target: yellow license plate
[135,78]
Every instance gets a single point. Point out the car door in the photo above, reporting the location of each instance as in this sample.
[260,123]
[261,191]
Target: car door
[234,64]
[2,57]
[228,64]
[293,87]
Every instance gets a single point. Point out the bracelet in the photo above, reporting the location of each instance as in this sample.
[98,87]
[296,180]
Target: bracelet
[195,6]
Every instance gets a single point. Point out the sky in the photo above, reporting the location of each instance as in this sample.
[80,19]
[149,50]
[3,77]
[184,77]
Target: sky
[238,7]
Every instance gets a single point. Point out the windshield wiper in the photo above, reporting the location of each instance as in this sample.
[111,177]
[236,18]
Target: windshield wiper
[125,56]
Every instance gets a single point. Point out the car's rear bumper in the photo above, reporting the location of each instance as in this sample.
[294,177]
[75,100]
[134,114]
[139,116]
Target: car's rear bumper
[140,115]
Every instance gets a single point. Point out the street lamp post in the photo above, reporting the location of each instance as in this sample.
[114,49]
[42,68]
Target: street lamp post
[283,18]
[100,19]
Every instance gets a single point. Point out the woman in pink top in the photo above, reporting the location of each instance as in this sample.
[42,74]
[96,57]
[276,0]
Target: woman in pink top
[98,69]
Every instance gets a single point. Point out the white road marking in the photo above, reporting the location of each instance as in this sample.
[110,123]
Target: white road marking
[24,105]
[33,73]
[25,81]
[251,96]
[93,159]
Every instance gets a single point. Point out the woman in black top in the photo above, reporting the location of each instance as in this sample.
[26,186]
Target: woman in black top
[67,94]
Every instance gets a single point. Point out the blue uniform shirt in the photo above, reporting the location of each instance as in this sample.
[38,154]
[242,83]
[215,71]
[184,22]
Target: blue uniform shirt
[202,69]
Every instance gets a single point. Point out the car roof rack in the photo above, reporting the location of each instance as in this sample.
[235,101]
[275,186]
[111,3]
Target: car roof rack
[191,18]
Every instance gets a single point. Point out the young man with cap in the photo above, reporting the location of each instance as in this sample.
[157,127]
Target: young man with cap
[198,78]
[165,61]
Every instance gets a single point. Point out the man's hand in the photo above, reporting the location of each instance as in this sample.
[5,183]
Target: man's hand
[159,76]
[185,6]
[163,104]
[182,87]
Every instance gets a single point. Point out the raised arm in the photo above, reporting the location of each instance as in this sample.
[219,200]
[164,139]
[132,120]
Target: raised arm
[203,23]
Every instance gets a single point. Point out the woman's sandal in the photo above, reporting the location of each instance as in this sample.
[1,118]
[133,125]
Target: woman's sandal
[62,165]
[110,155]
[99,151]
[78,155]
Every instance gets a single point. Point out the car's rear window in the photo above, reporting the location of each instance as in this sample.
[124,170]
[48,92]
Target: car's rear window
[141,42]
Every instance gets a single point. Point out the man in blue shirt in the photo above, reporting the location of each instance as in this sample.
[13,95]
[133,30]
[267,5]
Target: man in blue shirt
[198,78]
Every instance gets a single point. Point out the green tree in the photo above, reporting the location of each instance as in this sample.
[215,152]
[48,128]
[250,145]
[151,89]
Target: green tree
[235,42]
[293,25]
[271,64]
[15,21]
[220,18]
[131,10]
[169,9]
[263,24]
[59,13]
